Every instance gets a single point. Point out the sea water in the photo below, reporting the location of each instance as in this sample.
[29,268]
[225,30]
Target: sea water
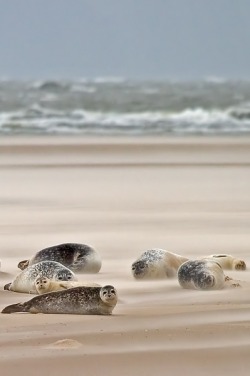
[125,107]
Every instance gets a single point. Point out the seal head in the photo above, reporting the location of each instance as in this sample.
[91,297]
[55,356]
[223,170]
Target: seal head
[201,275]
[108,295]
[140,269]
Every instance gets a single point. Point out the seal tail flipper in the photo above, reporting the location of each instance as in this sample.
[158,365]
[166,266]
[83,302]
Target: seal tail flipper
[23,264]
[7,286]
[19,307]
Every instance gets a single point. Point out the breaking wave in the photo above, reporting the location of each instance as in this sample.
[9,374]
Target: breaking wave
[37,119]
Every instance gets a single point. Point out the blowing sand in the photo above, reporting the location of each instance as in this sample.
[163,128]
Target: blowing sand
[124,196]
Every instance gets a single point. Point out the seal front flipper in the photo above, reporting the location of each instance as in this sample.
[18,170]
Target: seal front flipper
[64,285]
[23,264]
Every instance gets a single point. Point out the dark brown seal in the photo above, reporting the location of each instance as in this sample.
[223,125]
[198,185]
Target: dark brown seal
[77,301]
[80,258]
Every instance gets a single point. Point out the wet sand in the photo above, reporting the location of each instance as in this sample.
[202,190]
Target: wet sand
[123,196]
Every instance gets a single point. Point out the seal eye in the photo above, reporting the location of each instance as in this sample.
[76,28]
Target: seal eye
[60,278]
[105,293]
[69,277]
[112,291]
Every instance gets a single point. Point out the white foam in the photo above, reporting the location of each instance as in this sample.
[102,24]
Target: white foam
[200,116]
[198,120]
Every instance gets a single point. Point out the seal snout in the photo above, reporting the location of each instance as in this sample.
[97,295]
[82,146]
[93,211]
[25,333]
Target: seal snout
[209,281]
[139,269]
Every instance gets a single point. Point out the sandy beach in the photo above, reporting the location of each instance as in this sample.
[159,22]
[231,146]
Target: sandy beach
[123,196]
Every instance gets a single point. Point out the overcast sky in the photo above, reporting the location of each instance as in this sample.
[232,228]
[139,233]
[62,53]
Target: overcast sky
[179,39]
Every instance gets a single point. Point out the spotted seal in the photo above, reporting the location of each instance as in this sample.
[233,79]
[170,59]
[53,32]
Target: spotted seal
[44,285]
[78,301]
[80,258]
[228,262]
[25,280]
[201,275]
[157,264]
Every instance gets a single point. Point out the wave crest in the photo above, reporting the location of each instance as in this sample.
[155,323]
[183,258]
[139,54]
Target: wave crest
[37,119]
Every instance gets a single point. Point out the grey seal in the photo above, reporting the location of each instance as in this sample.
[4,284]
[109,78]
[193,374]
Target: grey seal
[80,258]
[25,280]
[157,264]
[78,301]
[201,275]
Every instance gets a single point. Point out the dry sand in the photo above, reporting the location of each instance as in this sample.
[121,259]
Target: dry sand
[123,196]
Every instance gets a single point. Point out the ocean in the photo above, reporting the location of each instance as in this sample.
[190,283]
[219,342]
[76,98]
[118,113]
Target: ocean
[116,106]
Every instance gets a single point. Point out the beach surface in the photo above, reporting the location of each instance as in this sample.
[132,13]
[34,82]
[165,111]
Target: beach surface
[123,196]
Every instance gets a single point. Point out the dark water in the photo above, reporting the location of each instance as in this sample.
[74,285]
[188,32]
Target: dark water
[125,107]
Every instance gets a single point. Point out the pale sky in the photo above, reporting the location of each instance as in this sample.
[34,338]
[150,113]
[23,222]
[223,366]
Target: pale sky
[163,39]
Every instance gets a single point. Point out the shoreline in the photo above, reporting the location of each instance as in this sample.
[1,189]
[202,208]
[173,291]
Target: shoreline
[94,152]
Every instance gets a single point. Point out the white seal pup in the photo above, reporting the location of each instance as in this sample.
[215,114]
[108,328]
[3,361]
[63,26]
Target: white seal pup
[201,275]
[77,301]
[44,285]
[157,264]
[25,280]
[80,258]
[228,262]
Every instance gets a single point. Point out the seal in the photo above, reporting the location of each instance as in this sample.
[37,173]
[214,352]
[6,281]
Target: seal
[25,280]
[80,258]
[228,262]
[77,301]
[201,275]
[157,264]
[44,285]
